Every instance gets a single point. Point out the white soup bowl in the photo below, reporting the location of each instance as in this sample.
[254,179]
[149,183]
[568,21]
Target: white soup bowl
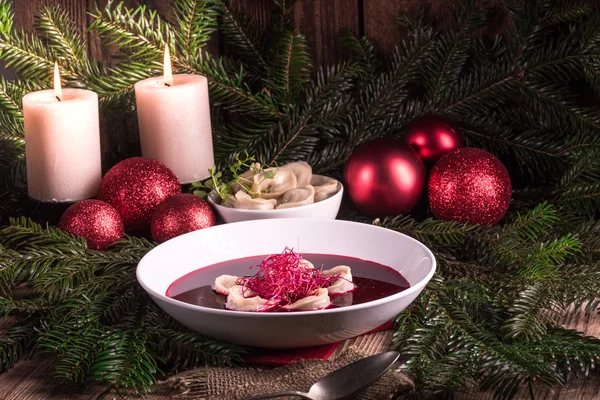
[179,256]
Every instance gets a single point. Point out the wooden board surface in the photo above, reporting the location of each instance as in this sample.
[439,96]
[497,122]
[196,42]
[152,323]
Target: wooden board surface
[322,21]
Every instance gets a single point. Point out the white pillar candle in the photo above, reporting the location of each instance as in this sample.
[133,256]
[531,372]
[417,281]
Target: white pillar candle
[174,118]
[62,143]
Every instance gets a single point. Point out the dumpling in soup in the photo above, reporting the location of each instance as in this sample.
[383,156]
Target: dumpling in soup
[301,169]
[318,301]
[298,197]
[236,300]
[225,282]
[242,200]
[343,284]
[306,264]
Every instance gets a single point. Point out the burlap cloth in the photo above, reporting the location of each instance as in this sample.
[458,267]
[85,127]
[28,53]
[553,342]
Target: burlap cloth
[239,383]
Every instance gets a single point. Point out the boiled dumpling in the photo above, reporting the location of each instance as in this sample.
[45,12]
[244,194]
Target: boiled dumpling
[225,282]
[324,187]
[245,178]
[236,300]
[318,301]
[306,264]
[342,300]
[343,283]
[301,169]
[298,197]
[242,200]
[273,188]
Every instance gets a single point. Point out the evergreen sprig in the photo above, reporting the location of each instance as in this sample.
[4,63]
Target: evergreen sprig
[86,308]
[488,319]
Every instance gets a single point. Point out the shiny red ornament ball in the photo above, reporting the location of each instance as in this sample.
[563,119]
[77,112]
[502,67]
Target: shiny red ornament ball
[384,177]
[469,185]
[180,214]
[96,221]
[135,187]
[433,136]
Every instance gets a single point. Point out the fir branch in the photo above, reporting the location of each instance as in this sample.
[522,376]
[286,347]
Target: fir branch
[583,197]
[17,342]
[542,265]
[126,361]
[10,306]
[6,17]
[454,48]
[485,89]
[91,310]
[63,37]
[244,35]
[30,59]
[363,53]
[75,362]
[565,12]
[534,223]
[228,90]
[282,17]
[568,349]
[11,118]
[115,86]
[187,349]
[140,33]
[496,133]
[526,311]
[196,21]
[290,70]
[431,231]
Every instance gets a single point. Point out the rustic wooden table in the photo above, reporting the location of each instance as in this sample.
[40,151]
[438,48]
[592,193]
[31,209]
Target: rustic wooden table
[32,379]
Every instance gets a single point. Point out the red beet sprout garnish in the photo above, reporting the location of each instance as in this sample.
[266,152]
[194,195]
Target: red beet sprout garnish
[283,279]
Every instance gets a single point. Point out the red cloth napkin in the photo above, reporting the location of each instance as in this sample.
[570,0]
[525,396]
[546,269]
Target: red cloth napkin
[277,358]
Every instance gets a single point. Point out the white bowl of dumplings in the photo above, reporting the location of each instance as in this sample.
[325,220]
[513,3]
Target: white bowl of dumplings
[293,192]
[210,247]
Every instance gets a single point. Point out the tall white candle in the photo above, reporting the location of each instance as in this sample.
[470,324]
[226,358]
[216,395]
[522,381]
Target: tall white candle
[174,119]
[62,143]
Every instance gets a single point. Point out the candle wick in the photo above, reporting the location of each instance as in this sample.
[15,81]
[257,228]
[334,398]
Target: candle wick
[57,98]
[166,84]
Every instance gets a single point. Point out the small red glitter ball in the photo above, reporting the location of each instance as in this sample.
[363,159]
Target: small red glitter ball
[180,214]
[433,136]
[384,177]
[469,185]
[96,221]
[135,187]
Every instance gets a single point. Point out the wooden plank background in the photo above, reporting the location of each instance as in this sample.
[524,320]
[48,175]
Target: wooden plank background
[321,21]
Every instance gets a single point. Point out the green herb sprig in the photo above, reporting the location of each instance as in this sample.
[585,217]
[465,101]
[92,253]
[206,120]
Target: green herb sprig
[242,172]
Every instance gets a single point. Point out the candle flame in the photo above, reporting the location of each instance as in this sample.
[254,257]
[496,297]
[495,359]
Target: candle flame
[57,86]
[168,73]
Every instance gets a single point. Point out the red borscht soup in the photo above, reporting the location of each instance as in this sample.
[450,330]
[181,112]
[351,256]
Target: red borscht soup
[372,281]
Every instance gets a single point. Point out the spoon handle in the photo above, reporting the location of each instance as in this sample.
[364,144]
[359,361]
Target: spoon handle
[271,395]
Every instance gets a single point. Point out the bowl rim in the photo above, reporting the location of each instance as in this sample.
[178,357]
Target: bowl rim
[339,193]
[418,287]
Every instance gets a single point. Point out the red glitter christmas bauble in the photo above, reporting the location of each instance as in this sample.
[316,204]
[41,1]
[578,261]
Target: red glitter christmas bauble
[96,221]
[180,214]
[469,185]
[433,136]
[135,187]
[384,177]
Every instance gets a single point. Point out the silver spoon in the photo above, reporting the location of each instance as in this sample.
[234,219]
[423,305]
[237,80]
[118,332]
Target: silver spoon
[344,382]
